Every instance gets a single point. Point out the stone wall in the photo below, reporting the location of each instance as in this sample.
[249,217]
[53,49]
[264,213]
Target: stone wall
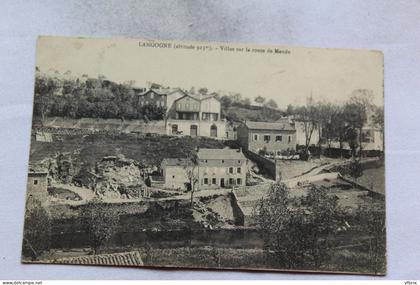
[265,165]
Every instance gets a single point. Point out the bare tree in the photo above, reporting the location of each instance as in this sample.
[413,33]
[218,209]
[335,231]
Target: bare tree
[309,116]
[355,111]
[191,169]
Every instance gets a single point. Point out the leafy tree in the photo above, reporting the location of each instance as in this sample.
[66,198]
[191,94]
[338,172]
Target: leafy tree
[203,91]
[298,230]
[271,104]
[356,169]
[351,136]
[371,221]
[100,221]
[259,100]
[225,101]
[37,230]
[246,101]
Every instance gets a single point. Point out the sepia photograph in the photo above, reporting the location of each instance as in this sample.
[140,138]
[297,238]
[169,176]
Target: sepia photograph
[173,154]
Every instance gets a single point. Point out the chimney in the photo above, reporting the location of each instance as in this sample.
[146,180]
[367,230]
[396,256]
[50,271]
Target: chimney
[240,149]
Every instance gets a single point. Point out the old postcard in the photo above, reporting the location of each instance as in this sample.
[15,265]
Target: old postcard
[206,155]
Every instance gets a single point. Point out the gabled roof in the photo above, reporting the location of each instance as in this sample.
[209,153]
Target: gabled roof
[283,125]
[197,97]
[157,91]
[172,91]
[225,153]
[188,95]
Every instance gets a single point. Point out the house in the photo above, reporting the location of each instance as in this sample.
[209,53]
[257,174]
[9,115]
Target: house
[160,97]
[155,97]
[213,168]
[196,116]
[37,185]
[274,137]
[372,138]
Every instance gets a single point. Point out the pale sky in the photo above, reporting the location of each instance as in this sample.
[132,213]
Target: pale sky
[330,74]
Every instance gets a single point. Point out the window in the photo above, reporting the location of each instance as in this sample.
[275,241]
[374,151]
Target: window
[231,170]
[231,181]
[206,181]
[35,182]
[279,138]
[223,161]
[290,139]
[238,181]
[213,181]
[255,137]
[238,170]
[267,138]
[151,95]
[173,176]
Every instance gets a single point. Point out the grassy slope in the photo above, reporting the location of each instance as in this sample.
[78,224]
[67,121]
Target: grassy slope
[150,150]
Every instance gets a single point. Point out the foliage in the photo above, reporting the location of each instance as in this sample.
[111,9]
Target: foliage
[356,169]
[271,104]
[89,98]
[36,235]
[372,222]
[100,221]
[259,100]
[298,230]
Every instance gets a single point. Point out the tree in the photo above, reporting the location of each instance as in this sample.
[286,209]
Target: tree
[42,106]
[37,231]
[203,91]
[371,221]
[298,230]
[271,104]
[192,174]
[225,101]
[309,115]
[100,222]
[290,110]
[355,112]
[259,100]
[351,137]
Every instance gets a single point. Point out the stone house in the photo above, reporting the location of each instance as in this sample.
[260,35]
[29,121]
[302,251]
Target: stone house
[273,137]
[37,185]
[196,116]
[214,168]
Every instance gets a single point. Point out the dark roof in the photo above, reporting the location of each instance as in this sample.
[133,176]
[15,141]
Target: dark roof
[225,153]
[283,125]
[176,161]
[132,258]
